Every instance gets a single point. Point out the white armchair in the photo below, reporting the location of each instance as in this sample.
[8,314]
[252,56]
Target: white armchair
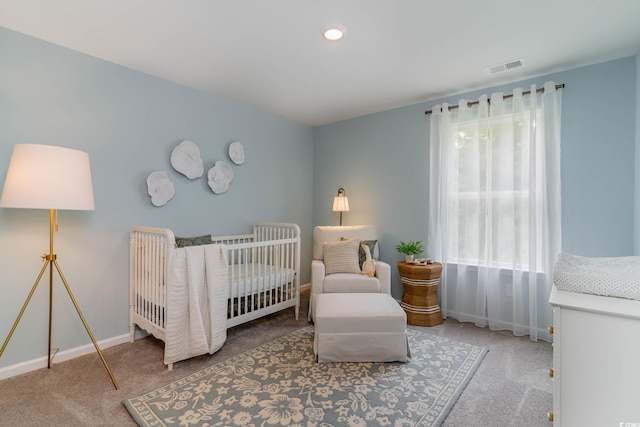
[338,273]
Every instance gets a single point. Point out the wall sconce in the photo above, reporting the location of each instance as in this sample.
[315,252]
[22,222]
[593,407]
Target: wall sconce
[341,203]
[51,178]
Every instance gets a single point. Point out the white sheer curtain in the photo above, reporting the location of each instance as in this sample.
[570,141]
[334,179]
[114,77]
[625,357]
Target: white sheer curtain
[494,208]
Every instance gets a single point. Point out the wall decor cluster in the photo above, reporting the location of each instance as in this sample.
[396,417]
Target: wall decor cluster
[186,159]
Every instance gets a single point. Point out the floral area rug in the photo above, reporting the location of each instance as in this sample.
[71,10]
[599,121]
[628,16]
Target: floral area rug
[280,384]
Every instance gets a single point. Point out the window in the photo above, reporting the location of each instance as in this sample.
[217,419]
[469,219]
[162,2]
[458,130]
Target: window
[490,192]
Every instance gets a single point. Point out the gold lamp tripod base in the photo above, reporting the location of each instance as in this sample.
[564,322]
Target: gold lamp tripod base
[52,262]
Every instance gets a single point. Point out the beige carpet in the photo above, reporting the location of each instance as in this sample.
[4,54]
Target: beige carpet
[511,387]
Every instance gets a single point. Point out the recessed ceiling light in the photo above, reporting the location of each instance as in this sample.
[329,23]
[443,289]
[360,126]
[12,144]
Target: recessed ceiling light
[333,33]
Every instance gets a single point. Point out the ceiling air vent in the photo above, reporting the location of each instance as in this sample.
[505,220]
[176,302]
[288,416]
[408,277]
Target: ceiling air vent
[506,66]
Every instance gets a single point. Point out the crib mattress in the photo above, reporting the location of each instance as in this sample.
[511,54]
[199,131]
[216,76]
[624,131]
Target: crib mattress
[247,279]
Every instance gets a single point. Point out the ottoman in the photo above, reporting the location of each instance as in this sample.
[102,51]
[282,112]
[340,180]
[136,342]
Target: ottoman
[360,327]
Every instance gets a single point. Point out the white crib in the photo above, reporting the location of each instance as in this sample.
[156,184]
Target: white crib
[263,271]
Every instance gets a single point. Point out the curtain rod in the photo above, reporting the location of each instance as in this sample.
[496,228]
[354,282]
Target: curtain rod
[470,103]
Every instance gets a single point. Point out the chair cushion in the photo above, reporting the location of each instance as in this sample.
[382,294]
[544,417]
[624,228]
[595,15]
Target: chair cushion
[351,283]
[327,233]
[341,257]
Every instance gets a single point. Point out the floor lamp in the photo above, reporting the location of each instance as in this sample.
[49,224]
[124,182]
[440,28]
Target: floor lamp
[48,177]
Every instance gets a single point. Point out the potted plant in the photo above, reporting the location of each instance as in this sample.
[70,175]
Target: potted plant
[409,249]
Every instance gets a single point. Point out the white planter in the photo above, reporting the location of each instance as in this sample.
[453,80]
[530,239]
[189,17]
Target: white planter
[408,258]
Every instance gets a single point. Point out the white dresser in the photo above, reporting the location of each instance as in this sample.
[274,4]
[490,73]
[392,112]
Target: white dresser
[596,360]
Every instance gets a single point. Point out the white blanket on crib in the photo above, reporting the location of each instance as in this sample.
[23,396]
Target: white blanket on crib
[197,307]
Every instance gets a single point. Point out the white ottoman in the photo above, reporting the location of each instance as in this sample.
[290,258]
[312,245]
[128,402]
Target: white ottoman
[360,327]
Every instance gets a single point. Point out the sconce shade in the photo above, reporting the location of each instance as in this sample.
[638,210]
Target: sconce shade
[340,204]
[48,177]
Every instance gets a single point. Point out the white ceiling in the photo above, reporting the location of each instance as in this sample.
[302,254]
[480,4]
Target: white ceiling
[269,53]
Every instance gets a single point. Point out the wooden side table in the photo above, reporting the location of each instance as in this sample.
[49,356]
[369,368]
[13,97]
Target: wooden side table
[419,300]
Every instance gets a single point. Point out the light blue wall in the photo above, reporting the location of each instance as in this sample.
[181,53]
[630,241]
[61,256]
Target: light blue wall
[128,122]
[382,162]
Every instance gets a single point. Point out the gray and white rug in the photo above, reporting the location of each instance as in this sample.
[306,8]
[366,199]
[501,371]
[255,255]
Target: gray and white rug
[280,384]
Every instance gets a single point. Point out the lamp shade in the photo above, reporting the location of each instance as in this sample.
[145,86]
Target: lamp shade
[48,177]
[340,204]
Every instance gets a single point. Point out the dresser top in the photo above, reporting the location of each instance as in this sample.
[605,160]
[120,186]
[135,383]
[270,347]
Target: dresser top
[613,306]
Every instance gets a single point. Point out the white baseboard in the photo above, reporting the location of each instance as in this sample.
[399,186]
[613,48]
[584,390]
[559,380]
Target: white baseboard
[41,362]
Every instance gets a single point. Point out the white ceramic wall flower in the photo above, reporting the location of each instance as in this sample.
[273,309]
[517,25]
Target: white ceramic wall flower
[236,152]
[185,158]
[220,176]
[160,188]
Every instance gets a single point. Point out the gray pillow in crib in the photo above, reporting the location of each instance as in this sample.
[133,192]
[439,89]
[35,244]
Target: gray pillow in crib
[182,242]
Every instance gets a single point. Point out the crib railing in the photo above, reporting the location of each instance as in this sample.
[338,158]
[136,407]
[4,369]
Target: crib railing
[263,270]
[151,251]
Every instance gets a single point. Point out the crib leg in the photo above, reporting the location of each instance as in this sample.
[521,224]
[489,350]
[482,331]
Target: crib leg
[170,367]
[132,332]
